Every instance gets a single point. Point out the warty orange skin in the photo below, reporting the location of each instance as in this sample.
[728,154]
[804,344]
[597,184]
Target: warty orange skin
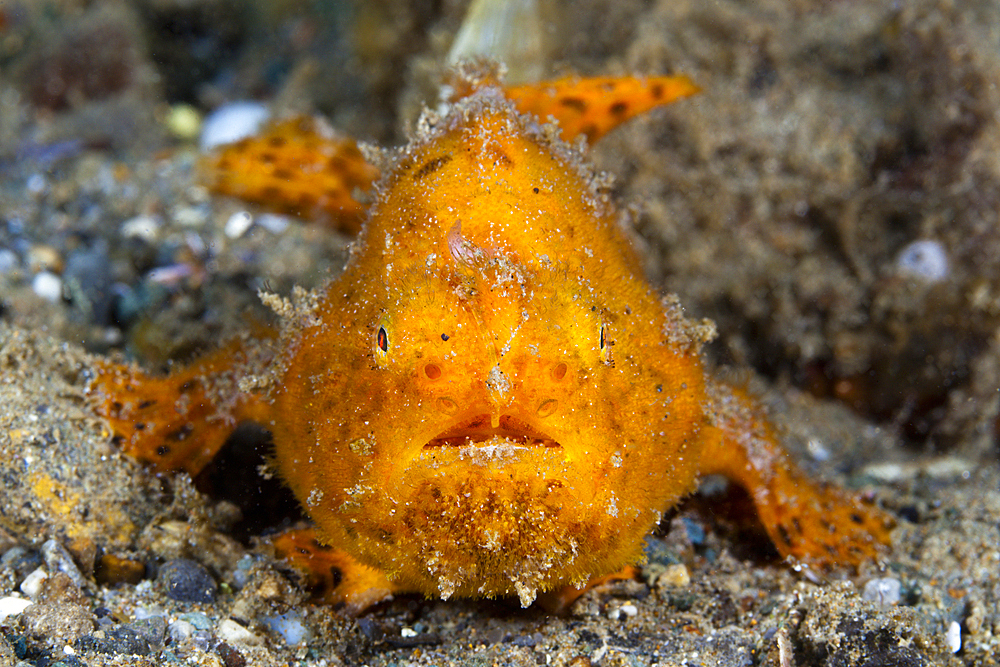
[491,399]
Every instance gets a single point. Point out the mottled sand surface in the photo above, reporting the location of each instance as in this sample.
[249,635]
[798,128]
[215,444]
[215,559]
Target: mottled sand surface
[829,199]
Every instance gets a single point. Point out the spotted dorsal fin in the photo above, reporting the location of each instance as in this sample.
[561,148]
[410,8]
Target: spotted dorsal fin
[595,106]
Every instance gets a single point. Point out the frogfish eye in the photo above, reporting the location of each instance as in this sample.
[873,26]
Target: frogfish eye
[382,340]
[605,345]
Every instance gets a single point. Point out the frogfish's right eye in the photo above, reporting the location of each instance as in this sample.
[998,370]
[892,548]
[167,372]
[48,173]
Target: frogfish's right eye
[605,344]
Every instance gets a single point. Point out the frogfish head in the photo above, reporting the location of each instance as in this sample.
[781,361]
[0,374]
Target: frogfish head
[486,402]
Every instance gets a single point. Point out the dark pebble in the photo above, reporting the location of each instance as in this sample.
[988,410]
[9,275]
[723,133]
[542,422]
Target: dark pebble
[371,629]
[152,629]
[528,641]
[187,581]
[123,640]
[88,281]
[18,643]
[22,561]
[230,656]
[657,552]
[695,531]
[68,661]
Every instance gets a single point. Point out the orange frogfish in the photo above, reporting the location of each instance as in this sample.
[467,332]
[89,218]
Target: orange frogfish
[490,400]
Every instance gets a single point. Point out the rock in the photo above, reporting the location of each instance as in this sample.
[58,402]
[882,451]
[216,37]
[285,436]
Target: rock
[10,606]
[21,560]
[232,632]
[112,570]
[152,629]
[58,559]
[197,620]
[230,656]
[187,581]
[61,621]
[885,592]
[121,640]
[675,576]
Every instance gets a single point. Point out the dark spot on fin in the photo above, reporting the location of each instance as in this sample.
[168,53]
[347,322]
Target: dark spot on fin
[574,103]
[179,434]
[431,166]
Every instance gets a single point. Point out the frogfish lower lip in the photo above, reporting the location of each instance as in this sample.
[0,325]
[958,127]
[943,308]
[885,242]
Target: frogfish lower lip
[480,431]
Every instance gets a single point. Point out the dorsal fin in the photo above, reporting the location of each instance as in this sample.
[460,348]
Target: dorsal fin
[595,106]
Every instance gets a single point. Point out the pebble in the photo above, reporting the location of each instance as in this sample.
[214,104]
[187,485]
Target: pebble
[21,560]
[274,223]
[48,286]
[58,560]
[112,569]
[817,450]
[88,281]
[32,584]
[926,260]
[197,619]
[44,258]
[695,531]
[36,184]
[121,640]
[528,641]
[953,637]
[190,216]
[232,122]
[180,631]
[886,592]
[229,655]
[153,629]
[289,626]
[618,610]
[676,575]
[238,224]
[8,260]
[11,606]
[241,573]
[145,227]
[142,613]
[940,468]
[184,122]
[233,633]
[187,581]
